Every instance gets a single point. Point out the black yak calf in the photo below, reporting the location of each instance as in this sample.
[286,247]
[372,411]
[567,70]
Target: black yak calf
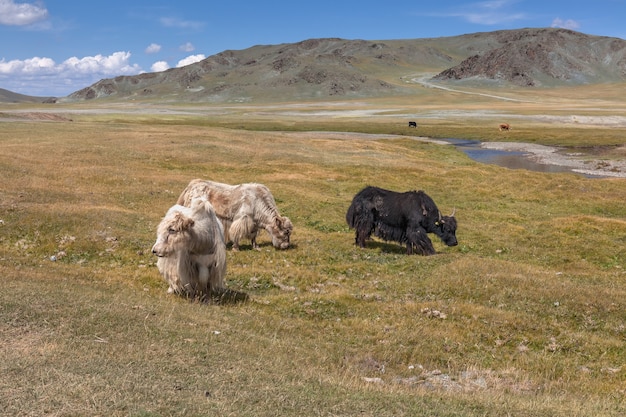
[400,217]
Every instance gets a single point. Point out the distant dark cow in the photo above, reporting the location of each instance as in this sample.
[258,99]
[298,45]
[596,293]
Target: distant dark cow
[412,124]
[504,126]
[400,217]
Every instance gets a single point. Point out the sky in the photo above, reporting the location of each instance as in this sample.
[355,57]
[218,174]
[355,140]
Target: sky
[57,47]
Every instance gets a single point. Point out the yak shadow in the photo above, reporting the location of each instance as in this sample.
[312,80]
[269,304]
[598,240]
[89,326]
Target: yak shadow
[386,247]
[390,247]
[227,296]
[262,246]
[222,296]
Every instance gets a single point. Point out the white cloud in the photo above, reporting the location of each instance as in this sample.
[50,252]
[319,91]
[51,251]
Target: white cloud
[34,65]
[492,12]
[173,22]
[485,12]
[36,75]
[565,24]
[21,14]
[187,47]
[192,59]
[114,64]
[495,4]
[493,18]
[153,48]
[159,66]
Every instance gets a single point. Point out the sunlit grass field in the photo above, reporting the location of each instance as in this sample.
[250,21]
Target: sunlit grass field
[524,318]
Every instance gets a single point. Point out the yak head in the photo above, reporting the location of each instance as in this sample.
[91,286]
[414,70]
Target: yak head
[280,231]
[445,228]
[172,234]
[185,229]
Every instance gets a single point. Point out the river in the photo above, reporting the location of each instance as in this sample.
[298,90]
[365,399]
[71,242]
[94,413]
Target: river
[504,158]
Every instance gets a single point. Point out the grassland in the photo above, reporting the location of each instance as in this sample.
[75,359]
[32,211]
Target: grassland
[524,318]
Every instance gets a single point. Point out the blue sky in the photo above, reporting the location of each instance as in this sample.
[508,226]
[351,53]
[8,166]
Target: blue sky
[56,47]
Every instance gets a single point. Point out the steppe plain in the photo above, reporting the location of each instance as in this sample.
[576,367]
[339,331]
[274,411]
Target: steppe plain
[524,318]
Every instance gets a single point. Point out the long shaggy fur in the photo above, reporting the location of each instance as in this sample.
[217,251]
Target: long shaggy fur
[406,218]
[244,210]
[191,250]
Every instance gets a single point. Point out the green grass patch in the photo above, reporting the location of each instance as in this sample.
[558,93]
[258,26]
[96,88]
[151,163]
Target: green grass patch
[524,317]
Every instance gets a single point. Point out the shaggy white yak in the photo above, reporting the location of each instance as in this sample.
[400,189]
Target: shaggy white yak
[191,250]
[244,209]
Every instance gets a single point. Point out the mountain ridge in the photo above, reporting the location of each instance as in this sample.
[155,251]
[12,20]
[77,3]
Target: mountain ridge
[328,68]
[7,96]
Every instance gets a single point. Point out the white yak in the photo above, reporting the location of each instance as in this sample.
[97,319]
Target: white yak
[244,209]
[191,250]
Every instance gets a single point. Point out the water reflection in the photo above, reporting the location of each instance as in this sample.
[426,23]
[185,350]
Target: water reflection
[506,159]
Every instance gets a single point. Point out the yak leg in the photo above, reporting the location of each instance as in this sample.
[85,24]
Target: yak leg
[409,248]
[253,235]
[417,239]
[203,278]
[362,235]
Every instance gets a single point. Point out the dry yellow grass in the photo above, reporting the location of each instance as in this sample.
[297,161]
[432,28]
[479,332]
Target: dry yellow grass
[525,317]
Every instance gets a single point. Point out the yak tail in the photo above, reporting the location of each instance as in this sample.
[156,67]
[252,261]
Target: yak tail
[351,216]
[359,217]
[240,228]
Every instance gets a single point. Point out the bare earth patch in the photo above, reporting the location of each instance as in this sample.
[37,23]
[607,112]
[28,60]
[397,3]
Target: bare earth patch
[42,116]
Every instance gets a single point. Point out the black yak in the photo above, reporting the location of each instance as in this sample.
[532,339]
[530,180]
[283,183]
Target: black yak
[400,217]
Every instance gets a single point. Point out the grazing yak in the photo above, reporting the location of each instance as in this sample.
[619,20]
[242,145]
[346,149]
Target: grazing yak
[504,126]
[244,210]
[400,217]
[412,124]
[191,250]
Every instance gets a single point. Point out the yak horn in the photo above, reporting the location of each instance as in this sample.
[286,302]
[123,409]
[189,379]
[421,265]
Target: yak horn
[438,212]
[453,211]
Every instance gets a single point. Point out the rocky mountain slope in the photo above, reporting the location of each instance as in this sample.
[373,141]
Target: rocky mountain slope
[544,57]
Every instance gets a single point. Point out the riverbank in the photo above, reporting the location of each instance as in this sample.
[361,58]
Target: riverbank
[596,162]
[586,162]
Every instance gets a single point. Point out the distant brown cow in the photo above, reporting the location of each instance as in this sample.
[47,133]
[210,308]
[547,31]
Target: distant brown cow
[504,126]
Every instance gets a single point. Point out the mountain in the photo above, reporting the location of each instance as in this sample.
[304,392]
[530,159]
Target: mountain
[532,57]
[314,68]
[7,96]
[327,68]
